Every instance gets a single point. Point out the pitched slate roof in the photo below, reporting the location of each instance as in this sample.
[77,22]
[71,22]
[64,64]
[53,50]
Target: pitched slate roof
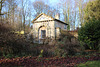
[53,19]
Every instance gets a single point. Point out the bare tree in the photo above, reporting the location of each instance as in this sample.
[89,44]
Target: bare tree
[80,5]
[1,6]
[41,7]
[26,12]
[11,6]
[24,5]
[66,12]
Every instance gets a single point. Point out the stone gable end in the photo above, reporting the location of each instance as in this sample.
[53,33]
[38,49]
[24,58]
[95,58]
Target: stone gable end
[43,18]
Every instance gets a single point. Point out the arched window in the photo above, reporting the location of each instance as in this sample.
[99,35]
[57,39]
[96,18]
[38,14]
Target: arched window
[43,33]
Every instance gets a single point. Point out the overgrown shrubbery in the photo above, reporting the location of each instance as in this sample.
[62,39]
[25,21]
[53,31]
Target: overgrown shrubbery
[61,48]
[69,48]
[89,34]
[15,45]
[12,44]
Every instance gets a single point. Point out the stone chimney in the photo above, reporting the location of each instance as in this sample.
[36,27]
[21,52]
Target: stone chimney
[57,16]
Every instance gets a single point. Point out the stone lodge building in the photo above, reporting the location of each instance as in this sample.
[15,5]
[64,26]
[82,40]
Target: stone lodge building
[46,26]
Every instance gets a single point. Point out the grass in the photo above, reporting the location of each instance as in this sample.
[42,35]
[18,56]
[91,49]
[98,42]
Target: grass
[90,64]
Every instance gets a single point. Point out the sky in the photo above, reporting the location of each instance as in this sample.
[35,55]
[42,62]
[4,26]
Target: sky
[51,2]
[54,3]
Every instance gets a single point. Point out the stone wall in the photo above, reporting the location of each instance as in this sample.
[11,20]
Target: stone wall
[60,25]
[49,27]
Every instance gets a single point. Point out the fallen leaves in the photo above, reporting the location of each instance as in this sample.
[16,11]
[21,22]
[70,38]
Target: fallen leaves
[45,62]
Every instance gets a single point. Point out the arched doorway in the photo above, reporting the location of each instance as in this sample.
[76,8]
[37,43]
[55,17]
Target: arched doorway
[42,33]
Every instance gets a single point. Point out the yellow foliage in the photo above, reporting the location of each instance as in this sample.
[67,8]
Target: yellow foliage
[22,32]
[17,32]
[42,51]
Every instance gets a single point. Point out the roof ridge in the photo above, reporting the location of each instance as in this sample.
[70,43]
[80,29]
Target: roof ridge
[42,14]
[48,16]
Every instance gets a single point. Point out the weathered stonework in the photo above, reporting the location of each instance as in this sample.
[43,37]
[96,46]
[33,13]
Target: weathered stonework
[48,24]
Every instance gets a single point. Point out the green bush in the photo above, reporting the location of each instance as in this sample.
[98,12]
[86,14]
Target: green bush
[90,34]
